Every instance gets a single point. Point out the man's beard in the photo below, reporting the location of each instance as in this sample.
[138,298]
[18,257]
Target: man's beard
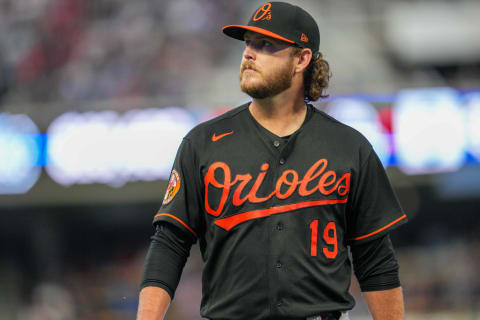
[271,85]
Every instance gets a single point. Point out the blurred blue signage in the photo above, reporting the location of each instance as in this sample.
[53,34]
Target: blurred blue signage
[427,131]
[20,150]
[108,148]
[430,130]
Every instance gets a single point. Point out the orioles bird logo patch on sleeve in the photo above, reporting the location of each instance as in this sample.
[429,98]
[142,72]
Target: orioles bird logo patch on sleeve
[173,187]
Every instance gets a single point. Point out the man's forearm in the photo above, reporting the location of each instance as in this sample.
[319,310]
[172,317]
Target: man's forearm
[163,266]
[153,303]
[386,304]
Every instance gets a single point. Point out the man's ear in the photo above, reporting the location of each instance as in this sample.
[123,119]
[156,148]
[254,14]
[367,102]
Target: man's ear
[304,57]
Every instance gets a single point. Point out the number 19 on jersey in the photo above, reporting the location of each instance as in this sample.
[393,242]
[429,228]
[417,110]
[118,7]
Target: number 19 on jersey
[329,236]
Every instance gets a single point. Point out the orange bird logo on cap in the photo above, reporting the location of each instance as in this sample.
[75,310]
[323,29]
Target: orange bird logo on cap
[264,13]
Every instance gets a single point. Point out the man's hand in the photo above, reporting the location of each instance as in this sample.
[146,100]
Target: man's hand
[153,303]
[386,304]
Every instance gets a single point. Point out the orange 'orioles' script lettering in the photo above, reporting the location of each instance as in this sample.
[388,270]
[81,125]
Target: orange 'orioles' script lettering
[316,179]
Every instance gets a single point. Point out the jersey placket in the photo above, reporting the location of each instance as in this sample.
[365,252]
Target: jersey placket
[277,228]
[278,231]
[274,265]
[278,148]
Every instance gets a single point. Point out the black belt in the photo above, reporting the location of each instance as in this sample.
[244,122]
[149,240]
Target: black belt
[334,315]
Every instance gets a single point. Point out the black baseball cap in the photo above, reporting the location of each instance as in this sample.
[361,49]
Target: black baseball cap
[282,21]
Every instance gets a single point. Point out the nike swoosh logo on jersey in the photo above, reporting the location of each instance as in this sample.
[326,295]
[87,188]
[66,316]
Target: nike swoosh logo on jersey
[220,136]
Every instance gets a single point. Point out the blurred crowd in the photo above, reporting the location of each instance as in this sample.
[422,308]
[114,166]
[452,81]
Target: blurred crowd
[76,51]
[80,54]
[102,290]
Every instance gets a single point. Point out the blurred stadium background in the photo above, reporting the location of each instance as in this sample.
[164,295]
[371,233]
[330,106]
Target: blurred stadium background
[95,96]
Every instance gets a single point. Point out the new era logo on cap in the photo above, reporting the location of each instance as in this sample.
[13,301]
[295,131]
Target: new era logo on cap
[282,21]
[304,38]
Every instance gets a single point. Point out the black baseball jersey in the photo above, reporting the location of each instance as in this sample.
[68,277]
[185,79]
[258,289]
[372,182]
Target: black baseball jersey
[274,216]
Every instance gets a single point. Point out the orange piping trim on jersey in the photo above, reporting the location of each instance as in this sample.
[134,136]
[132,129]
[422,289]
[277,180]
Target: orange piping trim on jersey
[381,229]
[183,223]
[230,222]
[261,31]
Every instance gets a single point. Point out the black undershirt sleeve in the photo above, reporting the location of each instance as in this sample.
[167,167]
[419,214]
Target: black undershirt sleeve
[375,265]
[166,257]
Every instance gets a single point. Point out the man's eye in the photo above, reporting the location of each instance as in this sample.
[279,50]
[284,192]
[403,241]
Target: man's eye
[259,44]
[266,43]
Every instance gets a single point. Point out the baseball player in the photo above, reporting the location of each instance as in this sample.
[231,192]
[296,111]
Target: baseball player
[277,194]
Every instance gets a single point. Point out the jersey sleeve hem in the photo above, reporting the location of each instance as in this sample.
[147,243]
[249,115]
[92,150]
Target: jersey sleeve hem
[168,217]
[158,284]
[380,287]
[395,223]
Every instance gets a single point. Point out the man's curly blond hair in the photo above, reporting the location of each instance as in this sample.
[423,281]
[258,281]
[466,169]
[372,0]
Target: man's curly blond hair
[316,77]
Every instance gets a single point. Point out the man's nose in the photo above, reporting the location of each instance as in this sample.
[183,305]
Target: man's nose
[249,52]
